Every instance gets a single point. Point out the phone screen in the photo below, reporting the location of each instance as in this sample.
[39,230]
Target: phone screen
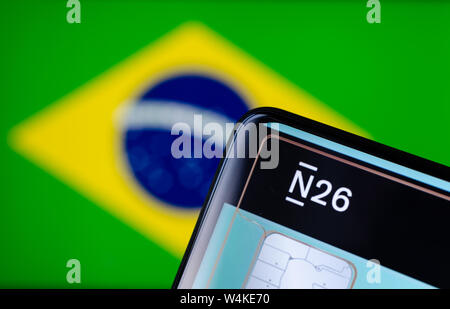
[327,216]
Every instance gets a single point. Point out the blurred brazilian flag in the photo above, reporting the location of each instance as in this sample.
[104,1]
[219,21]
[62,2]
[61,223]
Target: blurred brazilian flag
[86,113]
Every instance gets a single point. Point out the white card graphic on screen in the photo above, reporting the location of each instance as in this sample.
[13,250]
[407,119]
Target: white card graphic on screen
[285,263]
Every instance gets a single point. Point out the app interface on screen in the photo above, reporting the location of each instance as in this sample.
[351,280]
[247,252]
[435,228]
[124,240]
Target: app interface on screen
[297,226]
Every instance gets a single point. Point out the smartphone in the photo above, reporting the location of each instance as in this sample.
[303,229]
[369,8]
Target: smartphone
[299,204]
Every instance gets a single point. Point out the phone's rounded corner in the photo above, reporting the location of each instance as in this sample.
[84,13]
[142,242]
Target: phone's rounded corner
[258,113]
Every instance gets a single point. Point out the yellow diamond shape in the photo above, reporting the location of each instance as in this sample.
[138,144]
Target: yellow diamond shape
[77,138]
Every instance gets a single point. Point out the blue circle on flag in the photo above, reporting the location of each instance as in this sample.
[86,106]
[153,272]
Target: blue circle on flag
[182,182]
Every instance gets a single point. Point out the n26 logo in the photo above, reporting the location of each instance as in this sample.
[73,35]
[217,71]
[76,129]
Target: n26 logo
[340,200]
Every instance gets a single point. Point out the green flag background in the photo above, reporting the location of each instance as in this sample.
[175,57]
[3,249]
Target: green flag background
[391,79]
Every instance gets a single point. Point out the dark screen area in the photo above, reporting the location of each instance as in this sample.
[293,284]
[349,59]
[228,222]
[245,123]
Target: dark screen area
[406,229]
